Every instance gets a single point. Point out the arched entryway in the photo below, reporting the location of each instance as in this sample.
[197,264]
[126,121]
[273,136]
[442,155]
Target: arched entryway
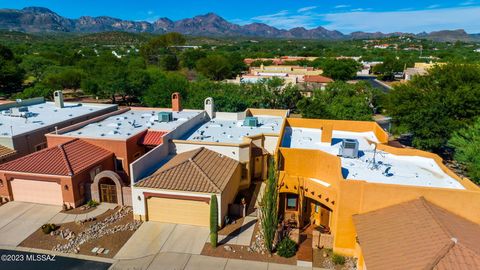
[107,187]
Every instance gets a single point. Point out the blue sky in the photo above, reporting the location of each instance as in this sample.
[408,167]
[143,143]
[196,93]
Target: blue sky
[343,15]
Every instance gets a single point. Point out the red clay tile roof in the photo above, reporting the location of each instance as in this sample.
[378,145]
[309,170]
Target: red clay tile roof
[152,138]
[6,152]
[317,79]
[199,170]
[417,235]
[68,159]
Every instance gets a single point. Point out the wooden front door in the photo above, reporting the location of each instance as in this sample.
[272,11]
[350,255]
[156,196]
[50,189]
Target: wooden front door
[108,193]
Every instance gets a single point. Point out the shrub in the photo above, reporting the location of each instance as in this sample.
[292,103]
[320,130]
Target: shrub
[268,208]
[48,228]
[338,259]
[286,248]
[92,203]
[213,221]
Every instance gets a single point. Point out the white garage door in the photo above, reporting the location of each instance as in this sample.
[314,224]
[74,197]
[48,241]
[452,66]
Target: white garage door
[37,191]
[178,211]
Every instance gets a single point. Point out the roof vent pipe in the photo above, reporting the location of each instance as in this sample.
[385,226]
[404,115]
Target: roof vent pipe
[209,107]
[58,98]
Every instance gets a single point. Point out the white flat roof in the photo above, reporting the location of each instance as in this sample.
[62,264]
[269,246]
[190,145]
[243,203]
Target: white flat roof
[233,131]
[387,168]
[44,114]
[129,123]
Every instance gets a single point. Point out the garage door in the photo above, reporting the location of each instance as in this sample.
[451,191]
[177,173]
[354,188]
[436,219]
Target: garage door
[178,211]
[37,191]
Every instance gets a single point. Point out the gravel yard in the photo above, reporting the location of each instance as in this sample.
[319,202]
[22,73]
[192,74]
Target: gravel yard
[109,231]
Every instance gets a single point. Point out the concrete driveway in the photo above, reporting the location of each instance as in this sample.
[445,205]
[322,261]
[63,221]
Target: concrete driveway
[154,237]
[18,220]
[164,246]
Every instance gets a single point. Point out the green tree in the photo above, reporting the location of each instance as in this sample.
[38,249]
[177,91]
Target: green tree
[215,67]
[213,221]
[466,143]
[169,62]
[189,58]
[11,75]
[341,69]
[162,86]
[153,50]
[35,65]
[268,208]
[341,100]
[434,106]
[65,78]
[107,78]
[38,90]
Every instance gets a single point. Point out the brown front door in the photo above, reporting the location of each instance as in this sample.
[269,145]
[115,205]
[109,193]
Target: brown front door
[108,193]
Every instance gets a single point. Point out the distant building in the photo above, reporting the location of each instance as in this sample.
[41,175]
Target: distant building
[290,74]
[280,60]
[420,69]
[381,46]
[313,82]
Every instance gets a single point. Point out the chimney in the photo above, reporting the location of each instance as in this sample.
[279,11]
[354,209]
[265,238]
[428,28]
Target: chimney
[209,107]
[176,103]
[58,98]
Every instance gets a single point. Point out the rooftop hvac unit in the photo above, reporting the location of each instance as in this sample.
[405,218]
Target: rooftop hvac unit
[349,148]
[250,121]
[165,117]
[19,112]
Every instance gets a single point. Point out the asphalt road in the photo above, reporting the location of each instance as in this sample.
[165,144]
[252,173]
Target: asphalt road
[17,260]
[373,83]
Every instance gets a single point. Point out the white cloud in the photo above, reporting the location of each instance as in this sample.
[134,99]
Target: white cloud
[341,6]
[405,21]
[433,6]
[410,21]
[150,12]
[467,3]
[285,20]
[360,9]
[300,10]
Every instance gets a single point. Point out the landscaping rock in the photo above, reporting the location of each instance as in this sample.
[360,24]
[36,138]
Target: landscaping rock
[227,248]
[96,230]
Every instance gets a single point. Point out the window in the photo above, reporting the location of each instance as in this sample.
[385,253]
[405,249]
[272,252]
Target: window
[65,187]
[317,208]
[292,202]
[119,164]
[40,146]
[1,183]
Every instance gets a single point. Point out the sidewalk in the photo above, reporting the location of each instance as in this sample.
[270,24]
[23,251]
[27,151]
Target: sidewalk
[183,261]
[65,217]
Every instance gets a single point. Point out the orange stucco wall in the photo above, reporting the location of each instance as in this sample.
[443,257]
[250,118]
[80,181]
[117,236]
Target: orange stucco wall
[352,197]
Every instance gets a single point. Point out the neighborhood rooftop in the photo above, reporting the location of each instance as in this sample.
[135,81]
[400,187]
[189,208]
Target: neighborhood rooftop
[234,131]
[67,159]
[23,119]
[131,122]
[199,170]
[372,165]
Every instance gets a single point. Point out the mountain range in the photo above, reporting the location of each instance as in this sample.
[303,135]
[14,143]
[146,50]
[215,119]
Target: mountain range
[41,20]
